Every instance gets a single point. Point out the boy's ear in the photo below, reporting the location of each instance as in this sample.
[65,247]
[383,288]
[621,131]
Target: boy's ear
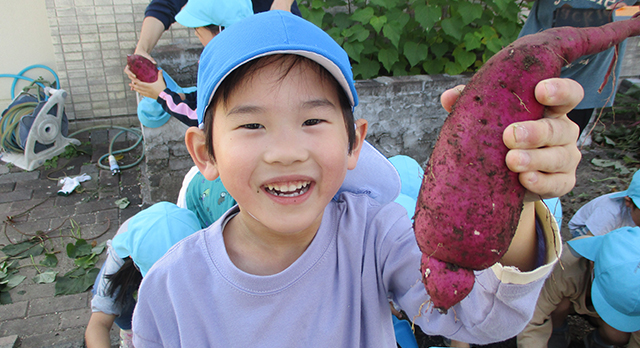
[628,202]
[195,139]
[361,133]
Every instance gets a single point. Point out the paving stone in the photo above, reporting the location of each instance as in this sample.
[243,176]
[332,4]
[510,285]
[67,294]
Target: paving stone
[54,211]
[18,195]
[75,318]
[14,310]
[61,304]
[30,325]
[95,206]
[19,177]
[71,338]
[9,341]
[7,187]
[28,290]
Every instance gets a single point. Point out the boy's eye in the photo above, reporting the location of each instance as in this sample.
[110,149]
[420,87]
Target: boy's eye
[312,122]
[251,126]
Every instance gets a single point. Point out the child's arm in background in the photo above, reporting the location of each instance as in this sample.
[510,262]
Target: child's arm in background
[179,105]
[97,334]
[150,90]
[545,154]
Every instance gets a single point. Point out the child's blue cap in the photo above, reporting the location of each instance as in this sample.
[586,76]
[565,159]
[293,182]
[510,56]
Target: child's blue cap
[633,191]
[264,34]
[615,290]
[201,13]
[152,232]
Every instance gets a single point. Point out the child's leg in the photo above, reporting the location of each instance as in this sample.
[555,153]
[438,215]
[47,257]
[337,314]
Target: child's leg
[126,338]
[607,335]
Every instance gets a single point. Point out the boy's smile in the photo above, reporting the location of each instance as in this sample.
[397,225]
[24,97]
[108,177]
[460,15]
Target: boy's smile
[281,150]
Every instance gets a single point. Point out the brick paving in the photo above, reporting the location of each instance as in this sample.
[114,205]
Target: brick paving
[29,203]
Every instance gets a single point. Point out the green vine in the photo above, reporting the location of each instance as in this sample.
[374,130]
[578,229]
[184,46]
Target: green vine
[412,37]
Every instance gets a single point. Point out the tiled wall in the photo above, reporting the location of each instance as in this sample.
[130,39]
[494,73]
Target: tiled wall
[91,41]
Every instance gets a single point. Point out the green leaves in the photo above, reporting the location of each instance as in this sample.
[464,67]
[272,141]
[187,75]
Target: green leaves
[9,279]
[401,37]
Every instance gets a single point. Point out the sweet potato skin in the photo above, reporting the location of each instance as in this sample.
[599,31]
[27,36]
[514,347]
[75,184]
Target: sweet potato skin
[144,69]
[470,202]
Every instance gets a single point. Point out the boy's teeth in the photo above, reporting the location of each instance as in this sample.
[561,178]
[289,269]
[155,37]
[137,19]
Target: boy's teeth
[290,189]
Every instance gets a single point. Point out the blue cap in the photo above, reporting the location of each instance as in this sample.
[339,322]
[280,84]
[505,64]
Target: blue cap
[615,290]
[633,191]
[152,232]
[200,13]
[269,33]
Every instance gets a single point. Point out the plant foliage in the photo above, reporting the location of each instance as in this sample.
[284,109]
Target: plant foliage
[411,37]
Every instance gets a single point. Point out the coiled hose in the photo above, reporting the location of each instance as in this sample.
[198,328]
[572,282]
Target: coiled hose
[11,119]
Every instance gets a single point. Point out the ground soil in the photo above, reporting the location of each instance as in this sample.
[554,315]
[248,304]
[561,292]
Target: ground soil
[616,150]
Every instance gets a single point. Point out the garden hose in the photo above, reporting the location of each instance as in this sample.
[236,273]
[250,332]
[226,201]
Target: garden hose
[9,122]
[110,156]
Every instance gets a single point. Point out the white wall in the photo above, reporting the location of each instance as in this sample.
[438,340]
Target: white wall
[25,40]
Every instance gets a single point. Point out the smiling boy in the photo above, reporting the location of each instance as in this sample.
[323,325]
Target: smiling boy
[315,247]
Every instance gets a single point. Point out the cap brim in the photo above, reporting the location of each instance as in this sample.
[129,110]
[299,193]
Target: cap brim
[620,194]
[189,21]
[587,247]
[610,315]
[374,176]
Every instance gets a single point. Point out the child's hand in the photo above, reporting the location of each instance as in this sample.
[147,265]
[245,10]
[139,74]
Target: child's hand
[544,152]
[149,90]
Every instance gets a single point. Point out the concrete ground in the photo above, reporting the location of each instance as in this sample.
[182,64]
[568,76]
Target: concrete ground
[29,206]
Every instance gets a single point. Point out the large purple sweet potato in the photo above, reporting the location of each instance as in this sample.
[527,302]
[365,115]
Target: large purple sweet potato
[470,202]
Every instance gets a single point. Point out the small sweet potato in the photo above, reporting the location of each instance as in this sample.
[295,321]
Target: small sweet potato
[144,69]
[470,202]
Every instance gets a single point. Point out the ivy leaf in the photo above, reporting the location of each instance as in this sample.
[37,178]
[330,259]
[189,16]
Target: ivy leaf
[472,41]
[453,27]
[388,57]
[353,49]
[378,22]
[98,249]
[453,68]
[24,249]
[315,16]
[464,57]
[342,20]
[427,16]
[494,45]
[79,249]
[86,261]
[390,32]
[317,4]
[366,69]
[47,277]
[12,281]
[67,285]
[501,4]
[50,260]
[469,11]
[415,52]
[439,49]
[363,15]
[357,33]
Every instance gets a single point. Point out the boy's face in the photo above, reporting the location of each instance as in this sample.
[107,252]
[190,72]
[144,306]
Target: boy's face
[281,148]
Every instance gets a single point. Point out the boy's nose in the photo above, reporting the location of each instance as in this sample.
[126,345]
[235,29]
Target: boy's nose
[285,148]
